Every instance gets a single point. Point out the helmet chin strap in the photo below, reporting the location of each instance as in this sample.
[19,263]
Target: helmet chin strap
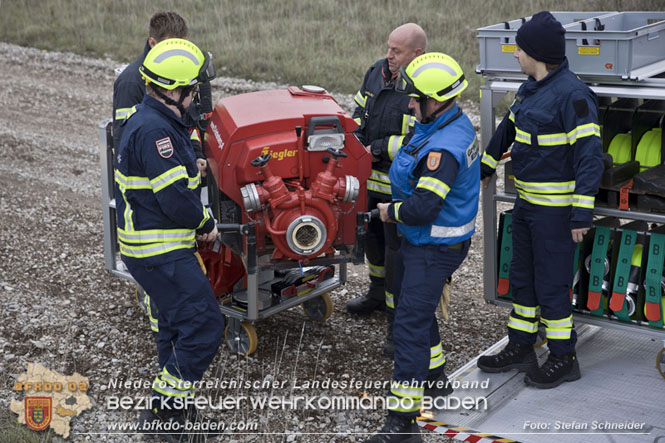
[430,118]
[184,92]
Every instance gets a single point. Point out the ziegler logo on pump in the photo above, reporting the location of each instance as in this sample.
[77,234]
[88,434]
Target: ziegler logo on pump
[164,147]
[279,155]
[38,412]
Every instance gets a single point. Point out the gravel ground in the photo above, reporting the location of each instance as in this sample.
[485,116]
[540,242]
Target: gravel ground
[61,308]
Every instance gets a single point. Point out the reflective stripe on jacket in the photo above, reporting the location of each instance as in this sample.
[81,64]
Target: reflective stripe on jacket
[384,120]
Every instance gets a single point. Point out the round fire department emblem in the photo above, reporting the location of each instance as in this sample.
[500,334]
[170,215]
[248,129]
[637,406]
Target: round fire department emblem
[433,160]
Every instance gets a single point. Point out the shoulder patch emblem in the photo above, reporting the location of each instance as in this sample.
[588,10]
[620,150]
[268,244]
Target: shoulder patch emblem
[433,161]
[164,147]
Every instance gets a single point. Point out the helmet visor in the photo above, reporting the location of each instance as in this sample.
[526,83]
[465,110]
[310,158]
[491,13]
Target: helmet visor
[207,71]
[405,85]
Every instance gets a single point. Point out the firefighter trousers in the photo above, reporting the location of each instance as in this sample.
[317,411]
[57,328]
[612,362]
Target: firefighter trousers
[420,273]
[540,271]
[381,246]
[190,322]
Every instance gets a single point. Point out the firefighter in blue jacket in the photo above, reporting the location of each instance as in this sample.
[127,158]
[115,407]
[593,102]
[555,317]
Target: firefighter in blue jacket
[435,181]
[384,121]
[160,217]
[557,163]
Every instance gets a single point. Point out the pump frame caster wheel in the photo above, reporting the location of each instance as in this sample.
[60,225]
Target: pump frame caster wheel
[241,337]
[318,308]
[660,362]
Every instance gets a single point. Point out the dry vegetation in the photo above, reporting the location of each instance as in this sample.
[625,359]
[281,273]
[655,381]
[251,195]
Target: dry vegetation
[330,43]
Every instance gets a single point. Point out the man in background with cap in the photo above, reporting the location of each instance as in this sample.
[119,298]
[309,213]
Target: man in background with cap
[557,162]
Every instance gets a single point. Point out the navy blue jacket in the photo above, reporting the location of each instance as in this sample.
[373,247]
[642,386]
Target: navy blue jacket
[557,154]
[385,119]
[128,91]
[158,207]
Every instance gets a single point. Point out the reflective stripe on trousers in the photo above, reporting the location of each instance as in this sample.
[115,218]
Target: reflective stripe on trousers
[190,322]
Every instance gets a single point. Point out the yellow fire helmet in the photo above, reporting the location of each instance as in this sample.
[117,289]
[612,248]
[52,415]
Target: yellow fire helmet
[434,75]
[173,63]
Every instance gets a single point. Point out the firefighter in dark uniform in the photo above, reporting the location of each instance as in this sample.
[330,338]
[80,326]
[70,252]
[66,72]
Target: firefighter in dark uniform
[128,91]
[557,162]
[384,121]
[160,217]
[435,181]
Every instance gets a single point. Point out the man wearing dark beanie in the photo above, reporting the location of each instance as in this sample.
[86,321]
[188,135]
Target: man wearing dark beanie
[557,162]
[542,38]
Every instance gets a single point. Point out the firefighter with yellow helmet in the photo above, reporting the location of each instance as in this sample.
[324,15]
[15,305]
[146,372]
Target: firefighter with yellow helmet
[435,186]
[160,217]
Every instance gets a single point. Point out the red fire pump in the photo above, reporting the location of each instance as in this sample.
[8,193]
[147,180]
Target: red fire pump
[289,193]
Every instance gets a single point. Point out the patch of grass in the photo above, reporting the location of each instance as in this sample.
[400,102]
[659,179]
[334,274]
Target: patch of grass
[14,432]
[289,41]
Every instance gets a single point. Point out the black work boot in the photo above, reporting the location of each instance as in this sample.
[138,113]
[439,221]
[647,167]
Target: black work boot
[164,424]
[171,425]
[556,370]
[389,345]
[374,300]
[438,386]
[513,356]
[397,429]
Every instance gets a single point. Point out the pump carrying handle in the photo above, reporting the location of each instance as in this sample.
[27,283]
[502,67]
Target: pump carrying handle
[260,161]
[362,218]
[246,229]
[366,217]
[336,153]
[325,120]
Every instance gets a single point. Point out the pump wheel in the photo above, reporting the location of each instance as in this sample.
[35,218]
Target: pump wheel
[319,308]
[660,362]
[542,336]
[243,341]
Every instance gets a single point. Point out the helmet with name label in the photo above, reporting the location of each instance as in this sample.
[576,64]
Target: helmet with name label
[432,75]
[173,63]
